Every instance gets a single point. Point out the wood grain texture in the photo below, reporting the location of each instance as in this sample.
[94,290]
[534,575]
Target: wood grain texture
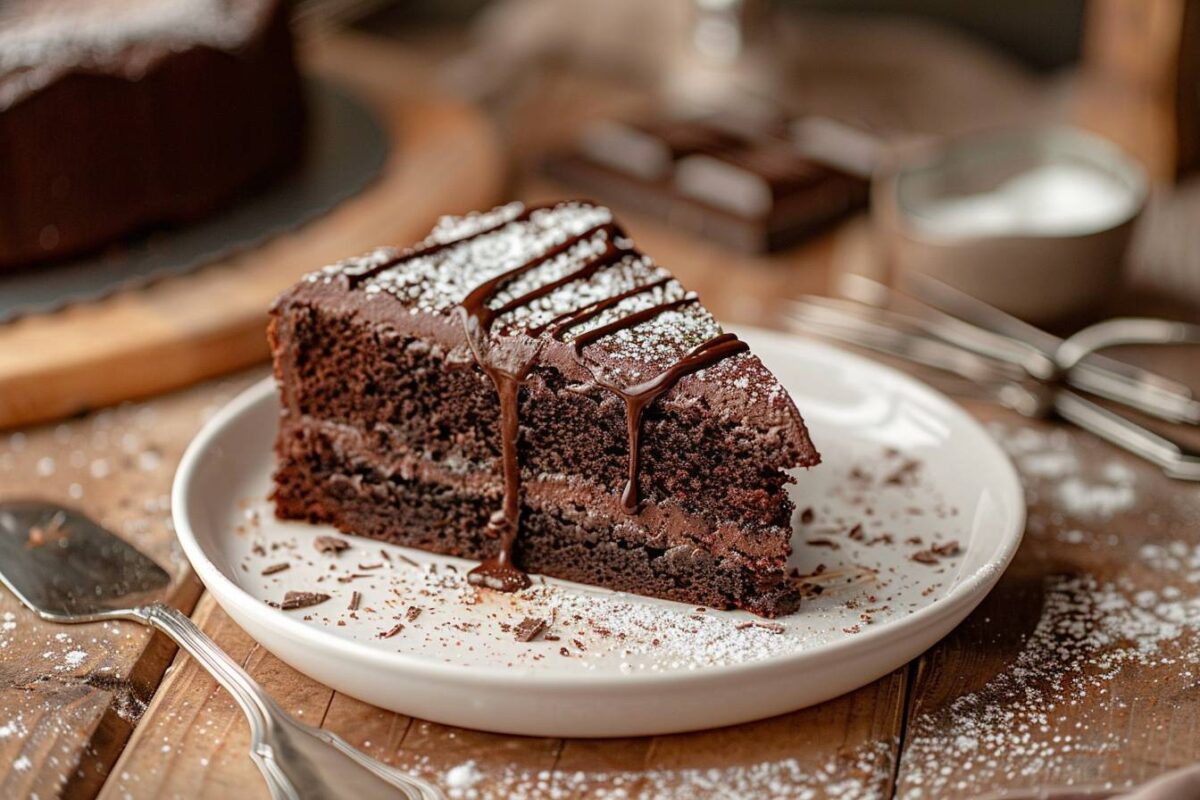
[193,741]
[1079,668]
[70,696]
[444,159]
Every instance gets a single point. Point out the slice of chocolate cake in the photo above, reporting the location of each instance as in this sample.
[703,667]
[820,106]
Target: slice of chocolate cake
[526,388]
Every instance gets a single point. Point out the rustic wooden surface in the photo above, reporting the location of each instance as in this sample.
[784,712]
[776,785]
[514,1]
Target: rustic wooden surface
[72,723]
[1032,690]
[444,158]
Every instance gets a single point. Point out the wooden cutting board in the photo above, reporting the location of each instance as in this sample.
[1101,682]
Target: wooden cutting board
[445,158]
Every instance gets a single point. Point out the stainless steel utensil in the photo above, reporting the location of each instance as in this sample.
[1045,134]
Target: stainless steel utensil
[67,569]
[1021,367]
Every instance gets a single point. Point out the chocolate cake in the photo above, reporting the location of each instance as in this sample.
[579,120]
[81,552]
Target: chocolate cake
[116,115]
[747,186]
[526,388]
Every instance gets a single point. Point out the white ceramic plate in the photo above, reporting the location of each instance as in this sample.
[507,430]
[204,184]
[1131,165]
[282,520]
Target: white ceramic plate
[900,460]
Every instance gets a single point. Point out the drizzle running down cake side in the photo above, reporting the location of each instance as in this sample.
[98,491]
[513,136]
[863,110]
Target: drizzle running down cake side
[526,388]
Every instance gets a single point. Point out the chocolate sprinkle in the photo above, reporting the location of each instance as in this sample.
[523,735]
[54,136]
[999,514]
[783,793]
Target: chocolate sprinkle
[528,629]
[330,544]
[949,548]
[773,627]
[294,600]
[924,557]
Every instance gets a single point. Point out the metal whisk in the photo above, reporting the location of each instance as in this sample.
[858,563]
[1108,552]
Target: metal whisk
[1022,367]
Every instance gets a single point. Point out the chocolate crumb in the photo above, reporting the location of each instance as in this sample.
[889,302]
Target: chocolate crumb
[370,566]
[949,548]
[294,600]
[562,651]
[832,545]
[412,613]
[355,599]
[807,516]
[528,629]
[392,631]
[330,544]
[408,561]
[905,474]
[773,627]
[924,557]
[271,570]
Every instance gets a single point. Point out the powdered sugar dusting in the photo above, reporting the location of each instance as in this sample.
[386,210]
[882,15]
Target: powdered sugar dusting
[33,32]
[439,281]
[1101,653]
[861,773]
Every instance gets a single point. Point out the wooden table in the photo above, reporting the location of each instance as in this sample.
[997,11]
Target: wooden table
[1035,688]
[1078,669]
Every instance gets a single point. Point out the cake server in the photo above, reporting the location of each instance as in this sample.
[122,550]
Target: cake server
[68,569]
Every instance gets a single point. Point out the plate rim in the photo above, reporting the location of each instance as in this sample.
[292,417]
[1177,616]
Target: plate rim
[970,590]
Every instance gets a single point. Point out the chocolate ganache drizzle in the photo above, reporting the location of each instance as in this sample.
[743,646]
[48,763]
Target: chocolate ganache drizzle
[507,360]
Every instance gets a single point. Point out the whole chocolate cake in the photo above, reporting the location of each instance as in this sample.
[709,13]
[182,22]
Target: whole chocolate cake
[116,115]
[526,388]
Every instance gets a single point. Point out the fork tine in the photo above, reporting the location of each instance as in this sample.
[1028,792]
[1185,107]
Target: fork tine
[1097,374]
[945,326]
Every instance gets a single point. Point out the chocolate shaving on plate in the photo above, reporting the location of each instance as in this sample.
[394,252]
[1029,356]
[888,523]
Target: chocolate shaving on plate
[412,613]
[271,570]
[924,557]
[294,600]
[392,631]
[949,548]
[528,629]
[832,545]
[330,544]
[773,627]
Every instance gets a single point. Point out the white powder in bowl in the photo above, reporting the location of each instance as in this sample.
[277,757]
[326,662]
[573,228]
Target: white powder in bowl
[1053,199]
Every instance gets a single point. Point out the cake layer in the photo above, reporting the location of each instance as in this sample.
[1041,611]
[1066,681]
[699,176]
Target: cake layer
[570,530]
[341,368]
